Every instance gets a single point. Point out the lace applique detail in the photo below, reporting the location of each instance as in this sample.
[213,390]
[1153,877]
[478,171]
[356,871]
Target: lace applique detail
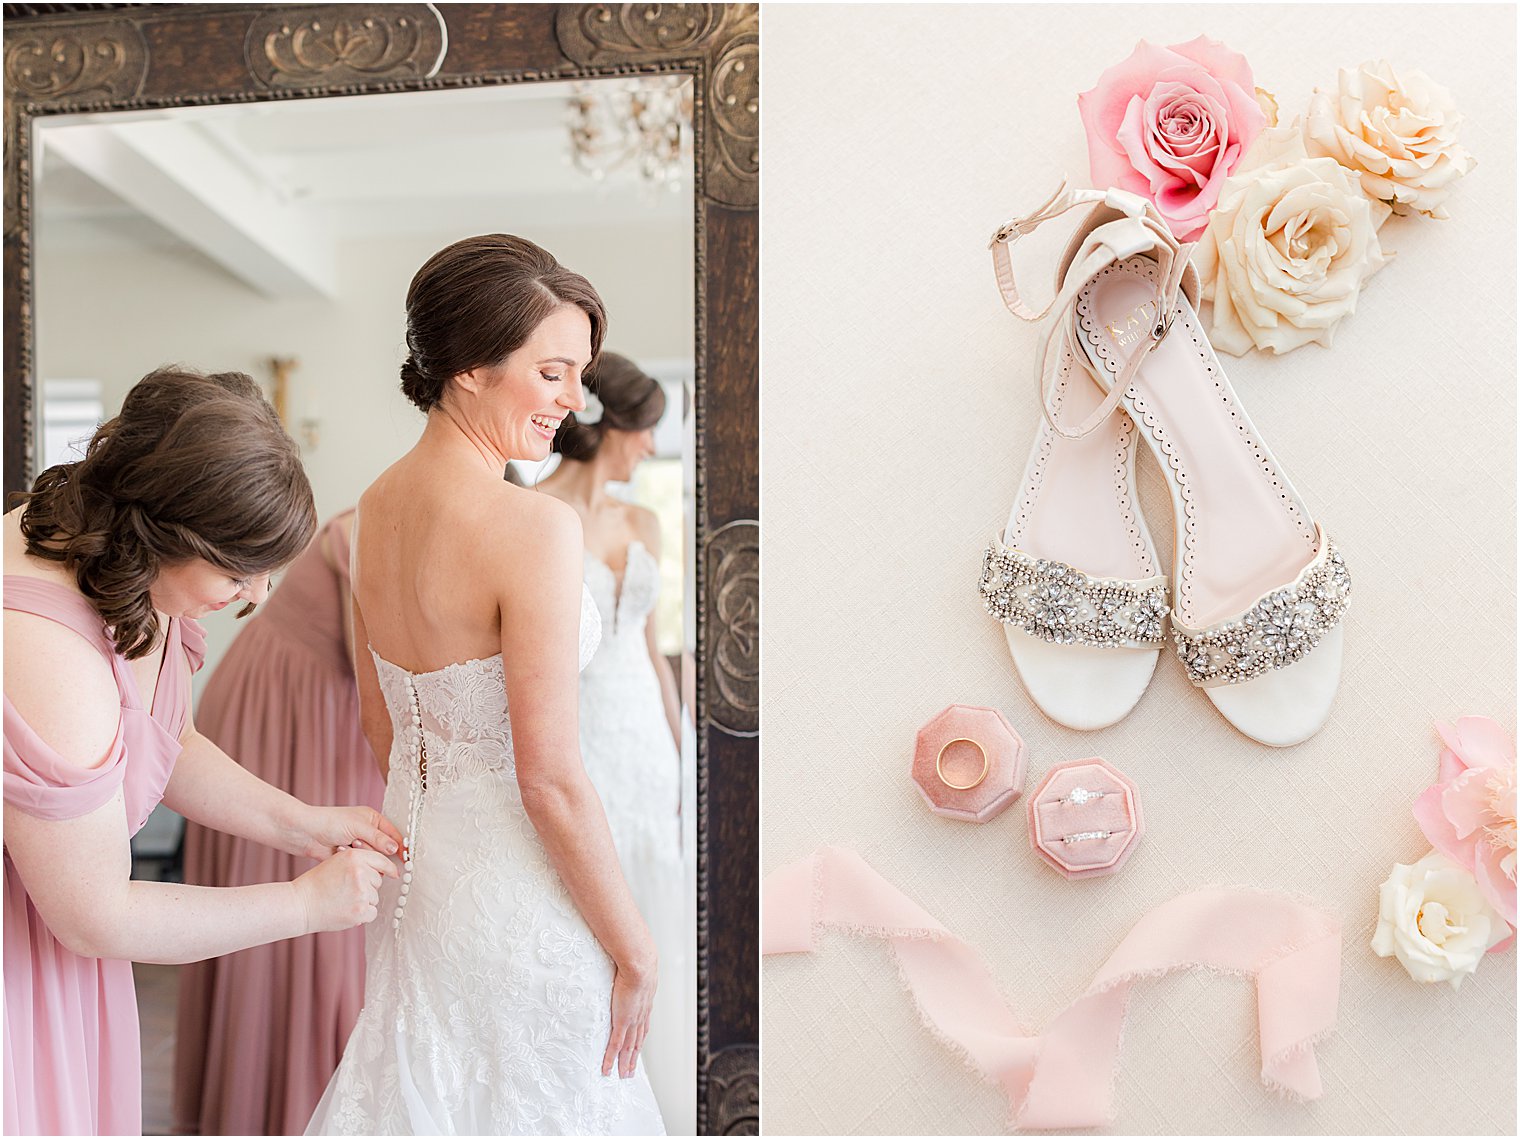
[487,1005]
[625,738]
[632,600]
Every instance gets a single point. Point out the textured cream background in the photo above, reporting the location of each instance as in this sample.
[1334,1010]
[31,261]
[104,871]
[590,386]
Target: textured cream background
[897,409]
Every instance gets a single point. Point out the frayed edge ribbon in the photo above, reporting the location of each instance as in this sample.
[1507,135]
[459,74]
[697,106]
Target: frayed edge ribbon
[1064,1076]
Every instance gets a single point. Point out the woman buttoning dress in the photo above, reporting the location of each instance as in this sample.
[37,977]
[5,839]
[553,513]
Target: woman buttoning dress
[260,1031]
[630,704]
[184,503]
[510,979]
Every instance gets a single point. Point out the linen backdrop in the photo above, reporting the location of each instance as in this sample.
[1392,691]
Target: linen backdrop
[897,412]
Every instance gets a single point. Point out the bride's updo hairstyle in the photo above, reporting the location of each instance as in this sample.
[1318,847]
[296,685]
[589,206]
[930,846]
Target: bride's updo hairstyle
[194,466]
[631,400]
[476,302]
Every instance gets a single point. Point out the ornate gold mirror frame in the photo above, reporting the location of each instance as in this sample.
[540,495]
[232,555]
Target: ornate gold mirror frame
[67,58]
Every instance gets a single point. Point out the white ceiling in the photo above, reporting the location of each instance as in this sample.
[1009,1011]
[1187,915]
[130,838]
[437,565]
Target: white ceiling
[269,190]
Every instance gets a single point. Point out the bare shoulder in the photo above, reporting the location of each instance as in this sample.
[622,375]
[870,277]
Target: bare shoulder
[646,524]
[62,686]
[536,551]
[535,529]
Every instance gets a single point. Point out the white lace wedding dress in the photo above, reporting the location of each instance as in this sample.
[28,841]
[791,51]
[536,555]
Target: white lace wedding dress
[486,1004]
[634,762]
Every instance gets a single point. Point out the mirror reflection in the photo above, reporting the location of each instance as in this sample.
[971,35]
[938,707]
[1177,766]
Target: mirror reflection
[278,239]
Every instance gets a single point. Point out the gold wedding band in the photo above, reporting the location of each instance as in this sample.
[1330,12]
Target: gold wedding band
[939,765]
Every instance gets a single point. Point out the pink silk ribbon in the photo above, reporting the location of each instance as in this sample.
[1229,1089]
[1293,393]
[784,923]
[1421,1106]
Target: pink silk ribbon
[1063,1077]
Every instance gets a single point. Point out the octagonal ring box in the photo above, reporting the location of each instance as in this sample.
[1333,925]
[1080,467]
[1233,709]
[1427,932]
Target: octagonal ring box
[1084,819]
[953,743]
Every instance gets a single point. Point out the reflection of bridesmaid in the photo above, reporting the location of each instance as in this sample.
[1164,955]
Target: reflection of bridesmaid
[261,1031]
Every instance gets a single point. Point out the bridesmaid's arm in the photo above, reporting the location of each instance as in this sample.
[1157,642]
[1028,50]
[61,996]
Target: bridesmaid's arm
[540,605]
[78,875]
[209,787]
[77,871]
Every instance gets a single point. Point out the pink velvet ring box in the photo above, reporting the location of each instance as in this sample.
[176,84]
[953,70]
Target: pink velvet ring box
[1084,819]
[968,744]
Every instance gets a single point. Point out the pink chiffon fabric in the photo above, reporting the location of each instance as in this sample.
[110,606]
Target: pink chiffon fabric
[1063,1077]
[73,1064]
[261,1031]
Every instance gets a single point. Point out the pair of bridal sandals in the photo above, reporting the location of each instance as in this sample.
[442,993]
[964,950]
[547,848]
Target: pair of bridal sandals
[1257,589]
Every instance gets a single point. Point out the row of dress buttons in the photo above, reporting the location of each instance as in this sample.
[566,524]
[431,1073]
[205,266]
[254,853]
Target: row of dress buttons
[406,865]
[406,885]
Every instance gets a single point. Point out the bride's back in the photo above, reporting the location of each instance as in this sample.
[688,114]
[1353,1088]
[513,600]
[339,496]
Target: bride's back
[432,556]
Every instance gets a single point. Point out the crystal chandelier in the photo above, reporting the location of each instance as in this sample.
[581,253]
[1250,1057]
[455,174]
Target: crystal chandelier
[641,124]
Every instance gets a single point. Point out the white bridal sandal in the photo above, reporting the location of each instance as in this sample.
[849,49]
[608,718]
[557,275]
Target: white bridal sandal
[1259,589]
[1074,576]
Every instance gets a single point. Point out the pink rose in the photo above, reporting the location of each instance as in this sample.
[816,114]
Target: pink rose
[1469,815]
[1170,124]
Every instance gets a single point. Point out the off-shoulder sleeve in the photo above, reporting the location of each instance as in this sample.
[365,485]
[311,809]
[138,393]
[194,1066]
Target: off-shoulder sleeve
[41,782]
[193,636]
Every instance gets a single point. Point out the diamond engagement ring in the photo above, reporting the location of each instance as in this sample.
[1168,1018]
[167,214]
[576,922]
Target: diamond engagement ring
[1080,795]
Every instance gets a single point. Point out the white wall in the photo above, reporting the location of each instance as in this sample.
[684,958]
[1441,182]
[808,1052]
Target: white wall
[114,315]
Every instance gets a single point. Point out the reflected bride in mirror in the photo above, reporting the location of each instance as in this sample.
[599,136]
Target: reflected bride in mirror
[510,979]
[630,706]
[290,229]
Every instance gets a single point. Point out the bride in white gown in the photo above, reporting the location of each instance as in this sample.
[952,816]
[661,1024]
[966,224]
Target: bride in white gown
[630,707]
[510,976]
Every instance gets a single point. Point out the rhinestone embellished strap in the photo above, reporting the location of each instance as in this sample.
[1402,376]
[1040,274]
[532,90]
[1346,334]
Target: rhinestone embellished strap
[1273,633]
[1058,603]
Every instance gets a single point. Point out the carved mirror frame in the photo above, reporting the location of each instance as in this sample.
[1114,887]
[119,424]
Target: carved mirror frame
[72,58]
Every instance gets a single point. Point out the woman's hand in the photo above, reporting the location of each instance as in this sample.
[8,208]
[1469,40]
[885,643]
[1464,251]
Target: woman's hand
[343,891]
[326,829]
[632,999]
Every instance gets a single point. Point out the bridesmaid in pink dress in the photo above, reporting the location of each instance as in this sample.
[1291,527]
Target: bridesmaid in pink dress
[261,1031]
[184,503]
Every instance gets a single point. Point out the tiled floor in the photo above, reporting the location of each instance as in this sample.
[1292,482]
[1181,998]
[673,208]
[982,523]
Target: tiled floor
[157,1001]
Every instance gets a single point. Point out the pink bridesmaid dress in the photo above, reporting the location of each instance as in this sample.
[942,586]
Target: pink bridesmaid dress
[262,1030]
[72,1059]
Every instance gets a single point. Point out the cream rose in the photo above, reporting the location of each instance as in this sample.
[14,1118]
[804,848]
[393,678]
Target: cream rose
[1287,249]
[1398,134]
[1435,920]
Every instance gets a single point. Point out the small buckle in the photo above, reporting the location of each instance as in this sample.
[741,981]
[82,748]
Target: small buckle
[1008,231]
[1164,326]
[1130,204]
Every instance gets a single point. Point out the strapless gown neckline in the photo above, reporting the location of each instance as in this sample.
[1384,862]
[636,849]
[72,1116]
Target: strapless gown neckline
[487,997]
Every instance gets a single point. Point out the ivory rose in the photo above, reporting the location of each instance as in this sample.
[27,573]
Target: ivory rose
[1397,133]
[1170,124]
[1434,919]
[1469,813]
[1287,249]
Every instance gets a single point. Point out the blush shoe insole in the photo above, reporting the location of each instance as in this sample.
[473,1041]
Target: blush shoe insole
[1076,504]
[1241,530]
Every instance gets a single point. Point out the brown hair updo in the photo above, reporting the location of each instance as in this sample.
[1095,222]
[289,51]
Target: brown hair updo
[632,400]
[194,466]
[476,302]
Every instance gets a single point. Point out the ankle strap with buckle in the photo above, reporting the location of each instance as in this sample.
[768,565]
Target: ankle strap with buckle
[1140,229]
